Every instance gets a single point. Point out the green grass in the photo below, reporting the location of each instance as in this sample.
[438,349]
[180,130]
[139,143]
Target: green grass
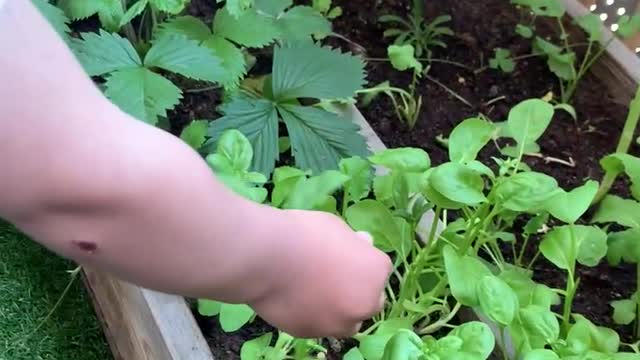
[31,282]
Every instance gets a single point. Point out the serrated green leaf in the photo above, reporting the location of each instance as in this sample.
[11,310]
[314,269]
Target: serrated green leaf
[233,60]
[273,7]
[402,58]
[189,26]
[320,139]
[80,9]
[307,70]
[300,22]
[249,29]
[195,133]
[178,54]
[237,8]
[170,6]
[592,24]
[615,209]
[468,138]
[110,14]
[624,311]
[142,93]
[135,10]
[257,119]
[569,206]
[102,53]
[54,15]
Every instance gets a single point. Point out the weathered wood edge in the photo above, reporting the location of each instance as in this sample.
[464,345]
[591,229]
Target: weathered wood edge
[141,324]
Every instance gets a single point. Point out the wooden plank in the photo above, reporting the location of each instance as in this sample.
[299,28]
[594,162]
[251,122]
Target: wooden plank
[141,324]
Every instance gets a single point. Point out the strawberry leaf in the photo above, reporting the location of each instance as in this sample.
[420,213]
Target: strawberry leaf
[54,15]
[171,6]
[300,22]
[135,10]
[81,9]
[178,54]
[236,8]
[306,70]
[249,29]
[189,26]
[320,139]
[273,7]
[104,52]
[142,93]
[257,119]
[232,58]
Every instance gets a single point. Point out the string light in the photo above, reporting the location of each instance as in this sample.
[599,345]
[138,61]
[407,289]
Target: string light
[593,7]
[638,50]
[603,16]
[610,2]
[622,11]
[614,27]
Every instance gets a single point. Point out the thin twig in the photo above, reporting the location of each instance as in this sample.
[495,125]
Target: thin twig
[550,159]
[450,91]
[494,100]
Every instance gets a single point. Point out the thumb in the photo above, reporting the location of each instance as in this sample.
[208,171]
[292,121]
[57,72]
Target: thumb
[365,236]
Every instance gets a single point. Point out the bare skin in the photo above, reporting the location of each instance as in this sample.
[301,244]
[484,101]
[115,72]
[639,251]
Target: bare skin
[111,192]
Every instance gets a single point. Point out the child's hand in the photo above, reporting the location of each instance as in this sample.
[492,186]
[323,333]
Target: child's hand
[332,280]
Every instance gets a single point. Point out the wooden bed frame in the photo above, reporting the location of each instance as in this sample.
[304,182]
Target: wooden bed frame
[141,324]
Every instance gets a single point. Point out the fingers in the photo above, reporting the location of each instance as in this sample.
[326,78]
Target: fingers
[365,236]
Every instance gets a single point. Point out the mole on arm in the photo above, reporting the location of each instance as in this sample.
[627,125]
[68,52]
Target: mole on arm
[85,246]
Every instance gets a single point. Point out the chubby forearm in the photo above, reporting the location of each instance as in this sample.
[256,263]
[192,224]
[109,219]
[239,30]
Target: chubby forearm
[106,190]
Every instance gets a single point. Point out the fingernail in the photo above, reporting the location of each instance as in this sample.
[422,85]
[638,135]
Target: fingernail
[365,235]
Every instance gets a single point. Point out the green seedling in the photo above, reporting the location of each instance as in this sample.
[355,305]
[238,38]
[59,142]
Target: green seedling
[561,57]
[416,32]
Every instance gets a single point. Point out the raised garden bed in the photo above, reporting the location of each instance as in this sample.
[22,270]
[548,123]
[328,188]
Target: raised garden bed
[459,85]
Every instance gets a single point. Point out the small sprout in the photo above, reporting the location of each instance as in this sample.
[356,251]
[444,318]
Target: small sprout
[502,60]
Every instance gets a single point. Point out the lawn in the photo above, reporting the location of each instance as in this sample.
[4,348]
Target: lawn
[31,281]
